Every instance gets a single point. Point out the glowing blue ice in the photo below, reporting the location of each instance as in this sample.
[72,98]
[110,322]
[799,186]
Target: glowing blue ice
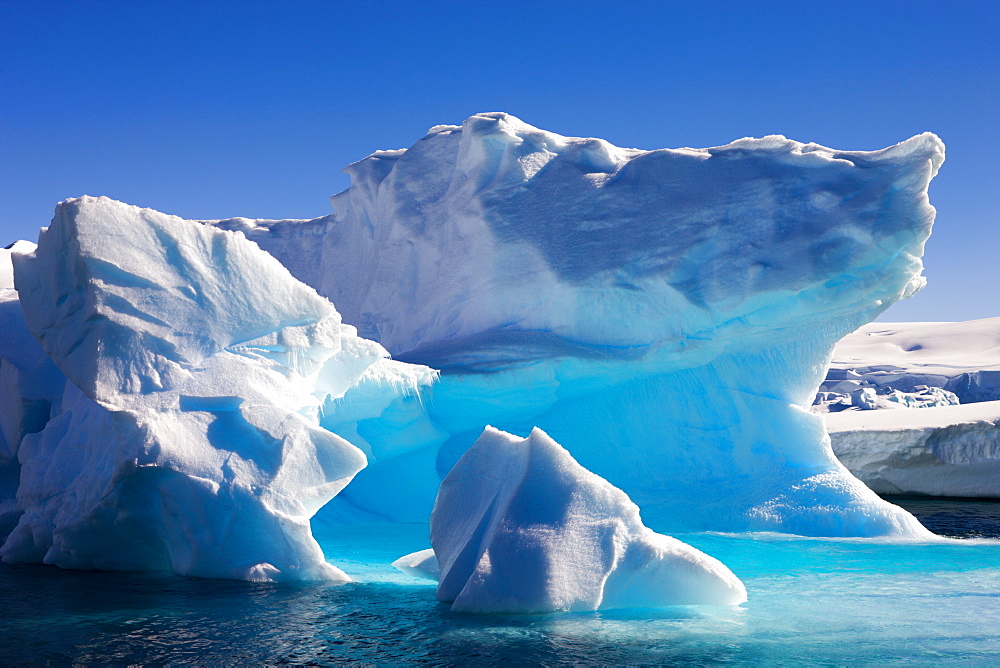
[665,315]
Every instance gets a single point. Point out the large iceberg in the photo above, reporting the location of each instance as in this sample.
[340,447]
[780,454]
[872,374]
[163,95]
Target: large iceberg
[186,433]
[665,315]
[519,526]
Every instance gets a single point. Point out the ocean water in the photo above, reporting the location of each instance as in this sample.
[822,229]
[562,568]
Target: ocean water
[812,601]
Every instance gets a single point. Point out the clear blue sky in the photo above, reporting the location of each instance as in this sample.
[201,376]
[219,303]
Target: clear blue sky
[211,110]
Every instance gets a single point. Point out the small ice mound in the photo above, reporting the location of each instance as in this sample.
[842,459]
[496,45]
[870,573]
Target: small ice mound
[422,564]
[520,526]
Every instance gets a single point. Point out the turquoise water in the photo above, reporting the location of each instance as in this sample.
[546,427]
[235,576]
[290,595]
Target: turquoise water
[811,601]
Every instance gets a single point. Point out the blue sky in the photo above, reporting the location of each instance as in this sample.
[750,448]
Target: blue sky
[210,110]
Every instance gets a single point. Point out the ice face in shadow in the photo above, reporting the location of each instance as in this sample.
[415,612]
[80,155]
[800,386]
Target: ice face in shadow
[665,315]
[188,437]
[519,526]
[31,387]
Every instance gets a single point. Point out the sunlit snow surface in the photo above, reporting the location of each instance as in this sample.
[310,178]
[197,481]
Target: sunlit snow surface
[811,601]
[963,357]
[936,450]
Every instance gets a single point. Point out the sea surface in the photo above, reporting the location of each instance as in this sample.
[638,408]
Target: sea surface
[812,601]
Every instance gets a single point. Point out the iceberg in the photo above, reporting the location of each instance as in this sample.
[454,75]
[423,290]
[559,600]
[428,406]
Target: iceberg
[519,526]
[186,433]
[188,402]
[665,315]
[31,387]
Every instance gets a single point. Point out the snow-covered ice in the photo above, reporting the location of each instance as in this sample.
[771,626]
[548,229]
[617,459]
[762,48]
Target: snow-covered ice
[188,437]
[665,315]
[945,451]
[853,394]
[520,526]
[7,266]
[31,387]
[960,357]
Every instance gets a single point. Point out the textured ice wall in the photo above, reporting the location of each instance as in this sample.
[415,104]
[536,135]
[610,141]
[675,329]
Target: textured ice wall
[666,315]
[188,438]
[519,526]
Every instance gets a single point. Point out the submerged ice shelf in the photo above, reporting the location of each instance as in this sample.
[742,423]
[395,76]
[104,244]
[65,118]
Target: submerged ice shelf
[665,315]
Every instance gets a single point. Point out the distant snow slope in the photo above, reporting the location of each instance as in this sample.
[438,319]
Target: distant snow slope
[961,357]
[946,451]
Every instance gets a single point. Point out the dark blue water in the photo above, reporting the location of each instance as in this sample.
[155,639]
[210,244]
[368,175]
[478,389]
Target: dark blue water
[957,518]
[811,601]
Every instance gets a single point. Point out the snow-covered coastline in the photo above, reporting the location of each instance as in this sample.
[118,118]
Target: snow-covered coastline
[890,364]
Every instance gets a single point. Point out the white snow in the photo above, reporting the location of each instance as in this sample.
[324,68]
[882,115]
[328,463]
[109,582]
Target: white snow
[963,357]
[520,526]
[940,450]
[421,564]
[7,267]
[944,451]
[188,438]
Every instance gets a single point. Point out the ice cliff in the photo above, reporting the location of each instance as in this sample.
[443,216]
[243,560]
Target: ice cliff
[519,526]
[665,315]
[943,451]
[184,434]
